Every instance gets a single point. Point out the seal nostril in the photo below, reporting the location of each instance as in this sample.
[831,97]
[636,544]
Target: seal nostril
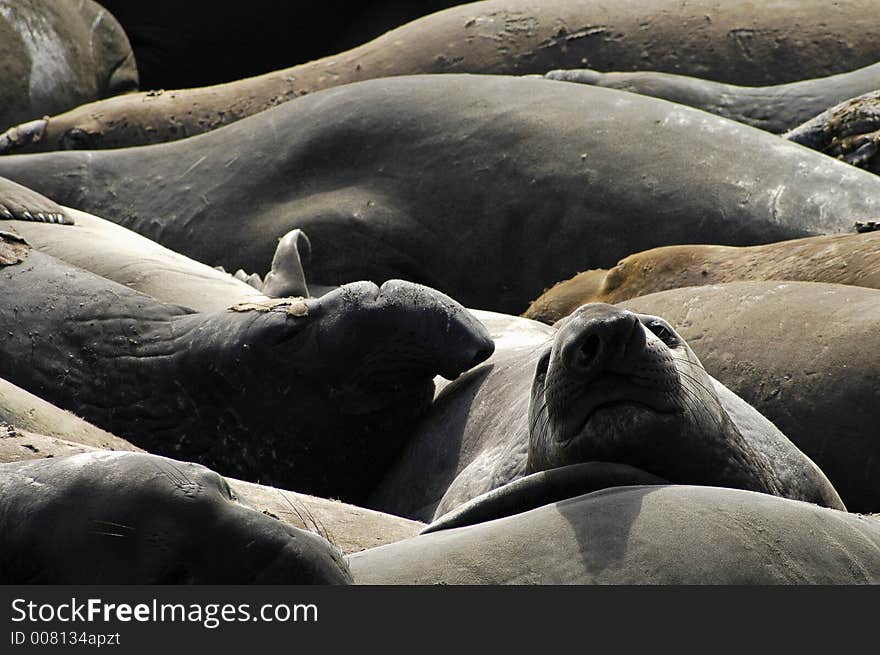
[482,355]
[589,348]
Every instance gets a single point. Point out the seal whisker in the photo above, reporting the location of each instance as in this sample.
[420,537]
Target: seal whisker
[293,507]
[113,524]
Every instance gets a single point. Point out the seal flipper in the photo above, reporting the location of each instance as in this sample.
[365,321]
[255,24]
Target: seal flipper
[542,488]
[13,249]
[19,137]
[20,202]
[287,278]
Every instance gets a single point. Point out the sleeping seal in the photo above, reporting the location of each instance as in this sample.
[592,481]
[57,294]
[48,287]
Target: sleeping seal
[316,393]
[840,258]
[134,518]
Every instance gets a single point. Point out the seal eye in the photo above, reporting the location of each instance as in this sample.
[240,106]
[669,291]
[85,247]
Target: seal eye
[662,332]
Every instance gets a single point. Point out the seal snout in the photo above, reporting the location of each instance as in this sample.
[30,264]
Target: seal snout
[605,363]
[604,340]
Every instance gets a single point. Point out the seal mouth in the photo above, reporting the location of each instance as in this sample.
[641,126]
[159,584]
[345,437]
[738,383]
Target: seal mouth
[613,406]
[610,394]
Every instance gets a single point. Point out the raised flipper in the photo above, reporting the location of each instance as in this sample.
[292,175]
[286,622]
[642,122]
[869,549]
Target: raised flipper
[19,202]
[287,277]
[540,489]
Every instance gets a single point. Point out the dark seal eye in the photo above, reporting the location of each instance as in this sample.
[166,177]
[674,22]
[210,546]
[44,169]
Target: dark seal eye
[662,332]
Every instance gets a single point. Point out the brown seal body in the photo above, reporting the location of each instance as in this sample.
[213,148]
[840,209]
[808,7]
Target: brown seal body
[841,259]
[716,39]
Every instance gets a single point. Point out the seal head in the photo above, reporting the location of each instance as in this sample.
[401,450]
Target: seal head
[622,387]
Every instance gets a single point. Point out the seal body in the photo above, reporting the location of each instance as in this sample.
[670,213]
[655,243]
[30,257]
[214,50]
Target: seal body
[839,259]
[348,527]
[802,354]
[606,386]
[716,39]
[675,534]
[488,188]
[276,390]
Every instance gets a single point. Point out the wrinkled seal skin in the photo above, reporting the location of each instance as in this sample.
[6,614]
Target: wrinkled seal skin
[607,386]
[57,55]
[849,131]
[839,259]
[642,535]
[489,188]
[805,355]
[314,395]
[775,108]
[133,518]
[717,39]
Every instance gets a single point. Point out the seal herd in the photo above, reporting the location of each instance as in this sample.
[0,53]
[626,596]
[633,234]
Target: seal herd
[570,292]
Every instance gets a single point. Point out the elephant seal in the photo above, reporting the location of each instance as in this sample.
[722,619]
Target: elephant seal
[674,534]
[775,108]
[716,39]
[849,131]
[839,259]
[317,393]
[348,527]
[366,171]
[805,355]
[133,518]
[58,55]
[609,386]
